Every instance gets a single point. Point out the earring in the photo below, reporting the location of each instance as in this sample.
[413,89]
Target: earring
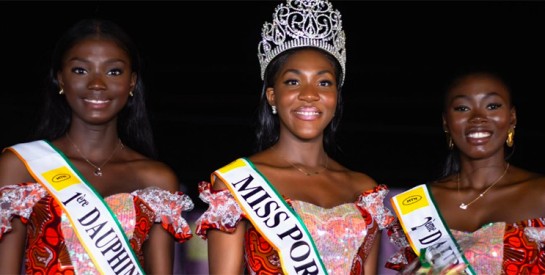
[274,111]
[449,140]
[131,94]
[61,92]
[510,137]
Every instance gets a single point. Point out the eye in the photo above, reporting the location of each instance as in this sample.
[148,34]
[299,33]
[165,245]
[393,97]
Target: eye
[326,83]
[461,108]
[291,82]
[78,70]
[494,106]
[115,72]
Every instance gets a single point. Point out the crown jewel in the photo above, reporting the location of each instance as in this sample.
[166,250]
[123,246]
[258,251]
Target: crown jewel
[303,23]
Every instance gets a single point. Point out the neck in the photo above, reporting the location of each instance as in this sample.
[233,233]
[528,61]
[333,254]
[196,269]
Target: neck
[480,177]
[302,154]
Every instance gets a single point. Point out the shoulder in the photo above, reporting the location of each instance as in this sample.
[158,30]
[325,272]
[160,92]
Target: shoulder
[531,183]
[216,182]
[357,181]
[363,181]
[12,169]
[153,173]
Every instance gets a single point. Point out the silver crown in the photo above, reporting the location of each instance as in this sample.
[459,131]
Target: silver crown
[303,23]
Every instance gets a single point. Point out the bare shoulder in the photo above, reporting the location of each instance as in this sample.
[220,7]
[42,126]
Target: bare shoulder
[533,182]
[153,173]
[358,181]
[362,181]
[12,170]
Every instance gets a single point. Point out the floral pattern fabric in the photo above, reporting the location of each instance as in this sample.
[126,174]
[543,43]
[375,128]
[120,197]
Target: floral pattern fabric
[343,234]
[496,248]
[52,245]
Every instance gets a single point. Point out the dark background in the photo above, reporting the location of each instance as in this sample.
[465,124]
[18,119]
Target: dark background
[203,79]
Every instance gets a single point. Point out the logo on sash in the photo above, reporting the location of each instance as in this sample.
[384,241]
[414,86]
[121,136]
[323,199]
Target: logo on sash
[98,230]
[425,228]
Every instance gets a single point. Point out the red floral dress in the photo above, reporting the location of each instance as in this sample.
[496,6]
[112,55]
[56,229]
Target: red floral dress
[343,234]
[52,245]
[495,248]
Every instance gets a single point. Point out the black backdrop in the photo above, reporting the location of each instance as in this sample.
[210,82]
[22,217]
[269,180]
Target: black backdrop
[203,81]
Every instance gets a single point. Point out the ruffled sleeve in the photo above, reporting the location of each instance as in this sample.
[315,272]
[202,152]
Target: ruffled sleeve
[18,200]
[405,254]
[168,208]
[373,202]
[223,211]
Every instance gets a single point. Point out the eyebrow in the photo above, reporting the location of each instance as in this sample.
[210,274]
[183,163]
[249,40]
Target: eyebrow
[487,95]
[112,60]
[296,71]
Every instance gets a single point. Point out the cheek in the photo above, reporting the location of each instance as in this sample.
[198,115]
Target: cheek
[120,86]
[330,101]
[455,123]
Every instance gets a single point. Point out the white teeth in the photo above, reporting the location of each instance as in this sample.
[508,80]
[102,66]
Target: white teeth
[479,135]
[308,113]
[96,101]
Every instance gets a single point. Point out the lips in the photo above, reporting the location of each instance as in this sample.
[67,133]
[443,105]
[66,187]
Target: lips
[96,101]
[307,113]
[479,136]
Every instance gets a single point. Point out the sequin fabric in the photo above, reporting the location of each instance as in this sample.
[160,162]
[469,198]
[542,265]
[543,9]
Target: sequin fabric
[483,248]
[343,234]
[53,246]
[501,248]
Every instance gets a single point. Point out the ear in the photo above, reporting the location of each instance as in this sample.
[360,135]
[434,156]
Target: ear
[271,98]
[134,77]
[513,117]
[59,80]
[445,125]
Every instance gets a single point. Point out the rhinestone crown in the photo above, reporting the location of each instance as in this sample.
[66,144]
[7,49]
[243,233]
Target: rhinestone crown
[303,23]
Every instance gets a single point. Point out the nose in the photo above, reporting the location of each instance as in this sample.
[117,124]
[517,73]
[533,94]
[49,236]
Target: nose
[309,93]
[96,82]
[478,117]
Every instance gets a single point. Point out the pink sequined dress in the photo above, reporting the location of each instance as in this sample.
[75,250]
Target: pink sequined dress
[52,245]
[343,234]
[495,248]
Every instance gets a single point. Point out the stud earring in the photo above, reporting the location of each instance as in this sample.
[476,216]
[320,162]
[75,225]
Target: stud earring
[274,110]
[510,137]
[131,94]
[61,92]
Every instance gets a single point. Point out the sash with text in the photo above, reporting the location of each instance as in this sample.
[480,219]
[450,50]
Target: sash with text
[426,230]
[94,223]
[273,218]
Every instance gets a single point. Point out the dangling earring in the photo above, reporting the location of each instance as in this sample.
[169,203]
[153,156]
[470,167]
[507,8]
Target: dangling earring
[510,137]
[131,94]
[274,111]
[61,92]
[449,140]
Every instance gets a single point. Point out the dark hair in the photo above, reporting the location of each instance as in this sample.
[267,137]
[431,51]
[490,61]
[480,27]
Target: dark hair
[133,124]
[452,162]
[268,128]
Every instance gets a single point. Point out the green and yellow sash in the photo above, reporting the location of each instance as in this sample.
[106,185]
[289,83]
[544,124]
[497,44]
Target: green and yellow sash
[425,229]
[272,217]
[94,223]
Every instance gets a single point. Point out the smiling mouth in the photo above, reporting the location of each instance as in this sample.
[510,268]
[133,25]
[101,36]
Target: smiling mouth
[307,113]
[96,101]
[479,135]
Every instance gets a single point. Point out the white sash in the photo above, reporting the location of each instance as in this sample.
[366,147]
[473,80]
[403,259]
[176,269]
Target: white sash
[95,225]
[425,228]
[272,217]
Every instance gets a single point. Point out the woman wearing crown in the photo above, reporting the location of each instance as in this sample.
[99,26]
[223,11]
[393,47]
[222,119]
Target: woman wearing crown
[291,208]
